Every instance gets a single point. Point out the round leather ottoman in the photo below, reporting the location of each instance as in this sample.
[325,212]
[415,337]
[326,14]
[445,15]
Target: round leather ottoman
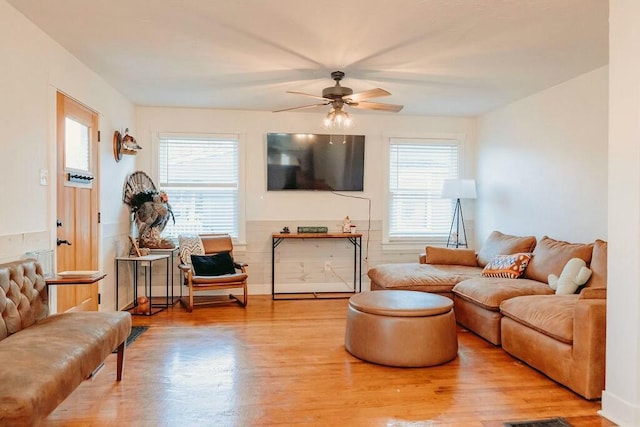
[401,328]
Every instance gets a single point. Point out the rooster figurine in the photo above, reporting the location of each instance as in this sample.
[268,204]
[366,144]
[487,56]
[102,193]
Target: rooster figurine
[151,210]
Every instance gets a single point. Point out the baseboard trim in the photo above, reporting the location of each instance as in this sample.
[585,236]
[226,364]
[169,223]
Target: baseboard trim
[619,411]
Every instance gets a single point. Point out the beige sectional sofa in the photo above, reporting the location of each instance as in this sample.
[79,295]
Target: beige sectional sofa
[562,336]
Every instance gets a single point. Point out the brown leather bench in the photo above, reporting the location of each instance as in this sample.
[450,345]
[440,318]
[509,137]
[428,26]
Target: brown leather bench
[44,358]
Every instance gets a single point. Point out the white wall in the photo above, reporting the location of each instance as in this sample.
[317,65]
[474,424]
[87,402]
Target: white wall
[542,163]
[268,212]
[621,399]
[24,119]
[34,68]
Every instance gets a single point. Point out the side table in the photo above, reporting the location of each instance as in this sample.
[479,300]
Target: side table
[73,280]
[172,252]
[146,262]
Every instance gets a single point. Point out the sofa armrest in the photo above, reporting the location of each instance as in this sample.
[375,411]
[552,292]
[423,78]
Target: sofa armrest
[593,293]
[589,342]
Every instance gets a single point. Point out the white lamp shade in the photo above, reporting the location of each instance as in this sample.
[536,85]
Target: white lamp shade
[459,189]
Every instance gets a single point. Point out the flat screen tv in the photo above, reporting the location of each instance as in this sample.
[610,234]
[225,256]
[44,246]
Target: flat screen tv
[315,162]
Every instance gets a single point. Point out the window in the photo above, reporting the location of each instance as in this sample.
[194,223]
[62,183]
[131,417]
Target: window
[76,145]
[201,177]
[417,168]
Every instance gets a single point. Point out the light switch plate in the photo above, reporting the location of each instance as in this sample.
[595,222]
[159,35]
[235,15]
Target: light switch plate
[44,177]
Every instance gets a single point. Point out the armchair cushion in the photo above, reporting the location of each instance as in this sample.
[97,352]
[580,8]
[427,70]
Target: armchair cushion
[225,279]
[213,265]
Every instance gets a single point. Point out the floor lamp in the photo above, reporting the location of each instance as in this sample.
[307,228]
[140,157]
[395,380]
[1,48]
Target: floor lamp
[458,189]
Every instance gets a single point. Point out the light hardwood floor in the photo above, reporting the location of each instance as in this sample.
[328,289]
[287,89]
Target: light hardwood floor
[284,363]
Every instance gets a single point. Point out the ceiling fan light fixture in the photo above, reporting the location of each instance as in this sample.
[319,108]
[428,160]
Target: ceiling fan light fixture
[337,118]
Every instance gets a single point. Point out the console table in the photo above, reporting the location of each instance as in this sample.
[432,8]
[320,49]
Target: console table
[354,238]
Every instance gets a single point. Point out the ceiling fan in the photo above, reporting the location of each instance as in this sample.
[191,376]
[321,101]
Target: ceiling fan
[338,96]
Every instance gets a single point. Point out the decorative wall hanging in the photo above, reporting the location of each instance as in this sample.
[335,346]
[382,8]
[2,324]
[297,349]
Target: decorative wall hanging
[126,144]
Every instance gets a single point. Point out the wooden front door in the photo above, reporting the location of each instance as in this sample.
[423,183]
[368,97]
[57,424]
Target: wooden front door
[77,201]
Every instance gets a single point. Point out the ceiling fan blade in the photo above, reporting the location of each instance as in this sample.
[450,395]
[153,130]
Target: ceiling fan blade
[307,94]
[377,106]
[367,94]
[301,107]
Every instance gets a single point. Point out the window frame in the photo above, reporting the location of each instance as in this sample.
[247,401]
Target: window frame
[403,244]
[239,243]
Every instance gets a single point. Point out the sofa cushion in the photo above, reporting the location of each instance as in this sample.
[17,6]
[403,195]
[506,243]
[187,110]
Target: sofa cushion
[422,277]
[598,265]
[450,256]
[489,292]
[551,315]
[507,266]
[550,256]
[504,244]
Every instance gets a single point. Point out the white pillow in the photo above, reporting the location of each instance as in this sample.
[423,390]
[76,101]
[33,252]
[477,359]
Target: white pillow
[189,244]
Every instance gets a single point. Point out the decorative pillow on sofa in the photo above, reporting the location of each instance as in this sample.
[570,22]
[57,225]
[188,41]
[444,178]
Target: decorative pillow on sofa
[507,266]
[550,256]
[450,256]
[503,244]
[213,265]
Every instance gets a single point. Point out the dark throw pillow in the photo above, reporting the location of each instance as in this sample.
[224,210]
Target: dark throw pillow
[213,265]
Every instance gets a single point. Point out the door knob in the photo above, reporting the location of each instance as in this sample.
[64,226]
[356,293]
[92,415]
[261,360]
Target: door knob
[62,242]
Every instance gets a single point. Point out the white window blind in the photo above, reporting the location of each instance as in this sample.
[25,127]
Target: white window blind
[417,168]
[200,176]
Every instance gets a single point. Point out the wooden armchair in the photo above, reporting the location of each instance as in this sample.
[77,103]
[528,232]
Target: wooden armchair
[210,244]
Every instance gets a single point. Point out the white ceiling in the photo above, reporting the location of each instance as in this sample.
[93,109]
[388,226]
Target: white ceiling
[436,57]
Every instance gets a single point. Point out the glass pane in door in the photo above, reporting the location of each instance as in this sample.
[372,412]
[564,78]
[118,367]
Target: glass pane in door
[76,145]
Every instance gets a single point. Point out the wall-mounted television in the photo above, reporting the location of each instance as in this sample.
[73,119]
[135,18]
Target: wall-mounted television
[297,161]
